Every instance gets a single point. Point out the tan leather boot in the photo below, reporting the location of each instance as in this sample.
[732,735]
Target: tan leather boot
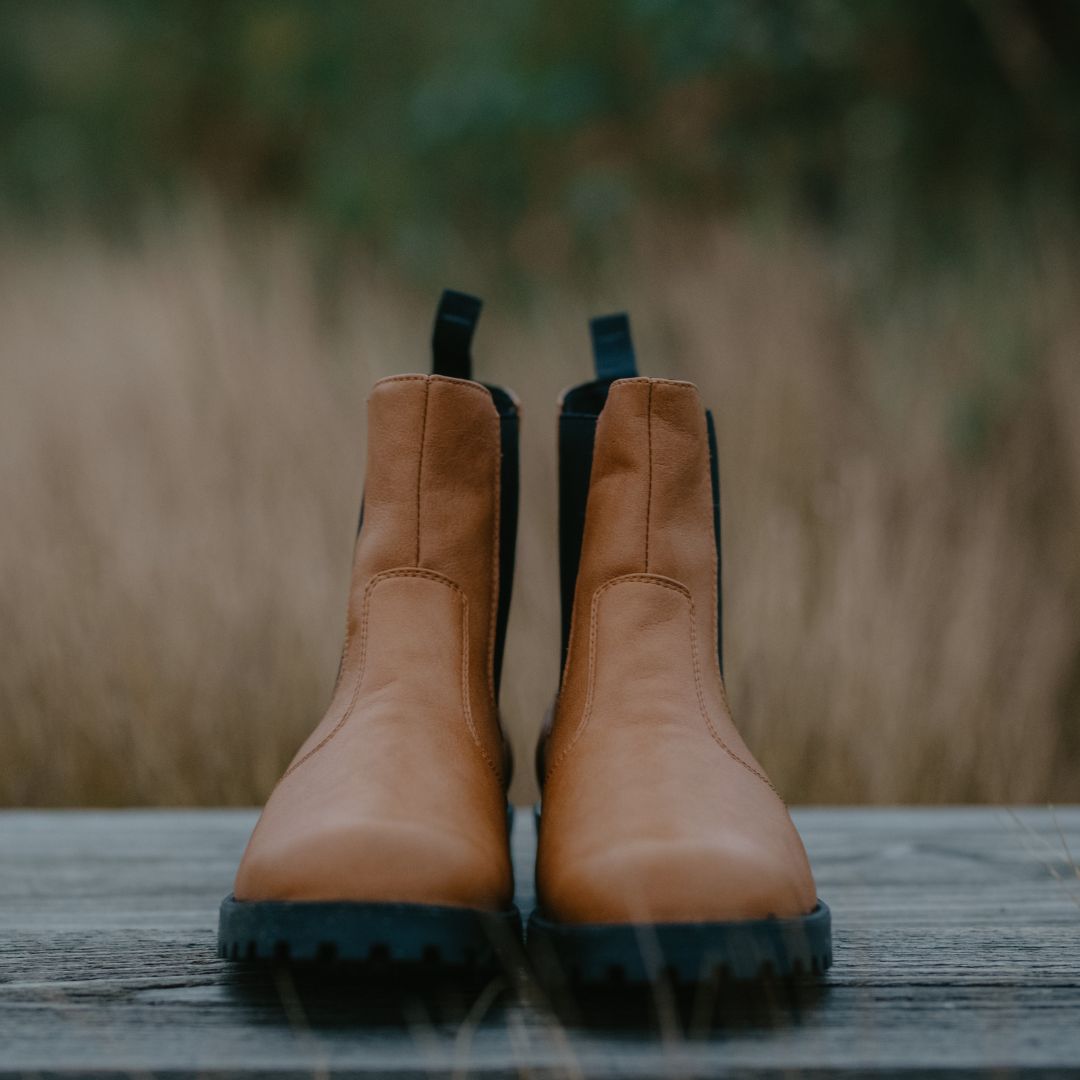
[663,846]
[386,838]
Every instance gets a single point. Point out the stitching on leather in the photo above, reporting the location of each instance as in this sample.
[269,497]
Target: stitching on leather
[648,489]
[415,572]
[705,709]
[667,583]
[465,384]
[654,382]
[420,466]
[591,683]
[344,651]
[356,685]
[466,699]
[496,555]
[466,696]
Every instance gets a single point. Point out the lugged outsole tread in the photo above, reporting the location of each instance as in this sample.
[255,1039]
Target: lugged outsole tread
[761,951]
[378,937]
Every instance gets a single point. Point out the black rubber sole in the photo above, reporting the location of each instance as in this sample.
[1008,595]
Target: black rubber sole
[380,936]
[682,953]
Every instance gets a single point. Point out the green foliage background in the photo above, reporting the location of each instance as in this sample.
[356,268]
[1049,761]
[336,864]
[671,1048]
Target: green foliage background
[541,124]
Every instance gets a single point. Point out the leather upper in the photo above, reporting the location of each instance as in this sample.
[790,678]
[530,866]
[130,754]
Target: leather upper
[654,809]
[398,795]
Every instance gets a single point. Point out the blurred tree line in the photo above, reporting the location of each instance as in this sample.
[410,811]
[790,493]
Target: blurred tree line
[541,124]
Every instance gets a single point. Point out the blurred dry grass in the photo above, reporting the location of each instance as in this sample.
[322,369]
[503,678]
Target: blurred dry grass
[180,440]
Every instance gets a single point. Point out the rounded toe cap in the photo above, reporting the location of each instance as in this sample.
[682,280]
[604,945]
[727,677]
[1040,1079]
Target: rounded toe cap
[382,862]
[652,881]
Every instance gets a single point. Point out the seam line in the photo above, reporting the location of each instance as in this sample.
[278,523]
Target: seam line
[586,716]
[648,495]
[466,704]
[420,466]
[594,626]
[496,556]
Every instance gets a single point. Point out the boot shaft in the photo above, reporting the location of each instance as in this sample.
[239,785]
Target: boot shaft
[638,481]
[655,811]
[441,498]
[398,796]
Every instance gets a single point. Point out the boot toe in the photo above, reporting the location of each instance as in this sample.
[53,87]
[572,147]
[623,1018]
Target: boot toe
[382,862]
[654,881]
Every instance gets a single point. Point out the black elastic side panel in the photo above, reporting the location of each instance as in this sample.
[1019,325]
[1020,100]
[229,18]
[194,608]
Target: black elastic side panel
[577,432]
[714,473]
[509,484]
[613,349]
[451,338]
[613,355]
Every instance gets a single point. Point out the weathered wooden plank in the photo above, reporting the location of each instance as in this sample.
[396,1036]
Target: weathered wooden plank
[957,947]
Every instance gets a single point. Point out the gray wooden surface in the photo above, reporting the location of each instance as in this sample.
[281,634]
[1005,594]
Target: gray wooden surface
[957,937]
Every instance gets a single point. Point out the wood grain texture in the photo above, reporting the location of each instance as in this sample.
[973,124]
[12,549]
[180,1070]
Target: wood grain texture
[957,941]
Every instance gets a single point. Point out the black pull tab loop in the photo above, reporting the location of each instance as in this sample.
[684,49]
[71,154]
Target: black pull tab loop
[451,338]
[613,348]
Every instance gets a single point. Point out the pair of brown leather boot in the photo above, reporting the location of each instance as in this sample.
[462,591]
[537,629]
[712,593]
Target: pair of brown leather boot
[663,847]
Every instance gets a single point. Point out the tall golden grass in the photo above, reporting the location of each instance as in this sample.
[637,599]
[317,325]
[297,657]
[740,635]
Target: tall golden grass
[181,432]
